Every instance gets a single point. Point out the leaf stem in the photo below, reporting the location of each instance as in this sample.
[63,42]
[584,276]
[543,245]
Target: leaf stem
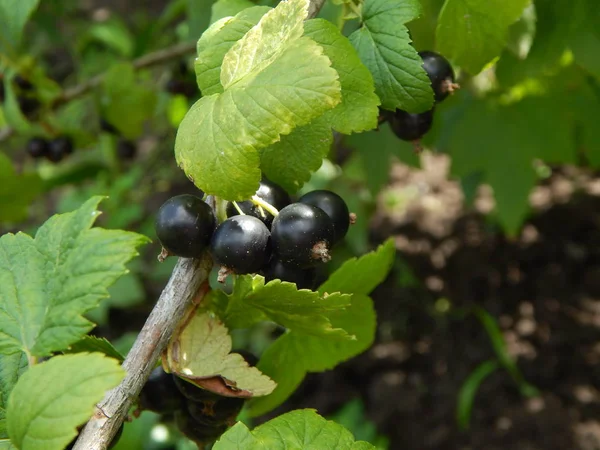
[266,206]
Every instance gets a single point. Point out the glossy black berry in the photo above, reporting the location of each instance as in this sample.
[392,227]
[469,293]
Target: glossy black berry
[63,144]
[302,235]
[250,358]
[269,192]
[409,126]
[184,225]
[192,392]
[334,206]
[126,149]
[198,432]
[37,147]
[160,394]
[22,83]
[440,74]
[304,278]
[224,410]
[241,244]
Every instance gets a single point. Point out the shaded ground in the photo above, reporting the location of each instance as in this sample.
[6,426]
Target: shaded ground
[543,288]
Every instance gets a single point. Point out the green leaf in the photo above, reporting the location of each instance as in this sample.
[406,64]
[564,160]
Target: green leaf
[383,45]
[46,283]
[17,191]
[274,80]
[91,344]
[358,109]
[584,41]
[198,15]
[362,275]
[216,42]
[11,368]
[200,352]
[474,32]
[301,429]
[125,102]
[468,390]
[226,8]
[14,14]
[302,310]
[291,161]
[44,418]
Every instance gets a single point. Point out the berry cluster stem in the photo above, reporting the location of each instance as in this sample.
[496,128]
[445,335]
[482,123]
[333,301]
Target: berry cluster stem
[264,205]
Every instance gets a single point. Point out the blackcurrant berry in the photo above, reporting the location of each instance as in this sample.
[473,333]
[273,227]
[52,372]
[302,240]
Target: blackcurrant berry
[126,149]
[22,83]
[304,278]
[184,225]
[28,106]
[241,244]
[198,432]
[334,206]
[62,144]
[270,193]
[37,147]
[224,410]
[409,126]
[160,394]
[440,74]
[192,392]
[302,235]
[249,357]
[108,127]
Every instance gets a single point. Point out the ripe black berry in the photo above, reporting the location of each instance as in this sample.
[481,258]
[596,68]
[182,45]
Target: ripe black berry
[37,147]
[224,410]
[160,394]
[184,225]
[334,206]
[304,278]
[409,126]
[302,235]
[198,432]
[62,144]
[440,74]
[28,105]
[126,149]
[22,83]
[192,392]
[270,193]
[241,244]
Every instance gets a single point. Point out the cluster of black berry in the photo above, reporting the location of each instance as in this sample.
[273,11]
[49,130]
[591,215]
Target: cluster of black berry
[26,96]
[126,149]
[267,234]
[199,414]
[53,150]
[412,127]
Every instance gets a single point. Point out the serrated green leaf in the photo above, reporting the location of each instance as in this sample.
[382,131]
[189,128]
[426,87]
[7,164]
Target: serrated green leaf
[291,161]
[93,344]
[227,8]
[11,368]
[216,42]
[362,275]
[17,191]
[301,310]
[202,351]
[46,283]
[301,429]
[287,83]
[383,45]
[14,14]
[294,354]
[125,102]
[51,399]
[358,109]
[473,32]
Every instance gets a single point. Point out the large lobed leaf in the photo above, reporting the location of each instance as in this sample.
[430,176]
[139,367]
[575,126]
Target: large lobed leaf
[11,368]
[301,429]
[274,80]
[47,283]
[52,399]
[295,353]
[383,45]
[474,32]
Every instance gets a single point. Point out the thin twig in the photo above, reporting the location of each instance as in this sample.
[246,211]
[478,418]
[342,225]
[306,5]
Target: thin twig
[143,62]
[183,286]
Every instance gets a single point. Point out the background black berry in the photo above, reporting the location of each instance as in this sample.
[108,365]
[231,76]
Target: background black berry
[224,410]
[37,147]
[440,73]
[242,244]
[192,392]
[160,394]
[184,225]
[302,235]
[22,83]
[28,105]
[304,278]
[268,191]
[334,206]
[126,149]
[198,432]
[409,126]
